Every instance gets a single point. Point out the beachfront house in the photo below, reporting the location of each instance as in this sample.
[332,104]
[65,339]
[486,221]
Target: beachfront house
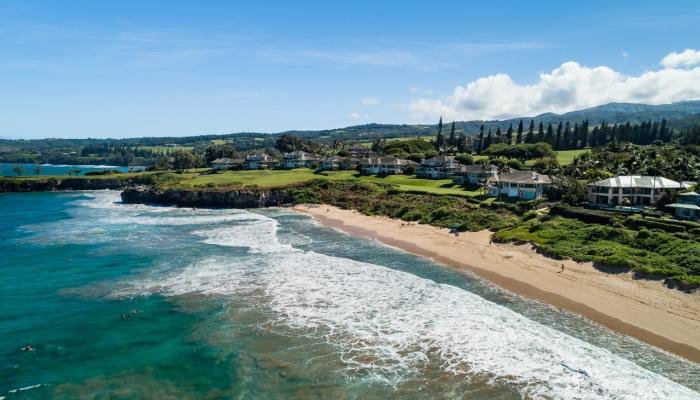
[384,166]
[687,206]
[633,190]
[472,175]
[337,163]
[299,159]
[524,185]
[259,160]
[439,167]
[226,163]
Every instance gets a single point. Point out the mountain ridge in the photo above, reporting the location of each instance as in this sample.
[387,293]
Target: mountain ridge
[679,114]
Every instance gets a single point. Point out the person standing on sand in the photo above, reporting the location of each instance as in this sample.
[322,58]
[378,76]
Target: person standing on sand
[562,269]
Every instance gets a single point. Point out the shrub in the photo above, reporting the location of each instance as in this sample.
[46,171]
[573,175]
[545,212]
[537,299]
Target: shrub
[529,215]
[465,159]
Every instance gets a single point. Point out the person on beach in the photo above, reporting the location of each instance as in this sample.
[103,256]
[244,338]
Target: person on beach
[562,269]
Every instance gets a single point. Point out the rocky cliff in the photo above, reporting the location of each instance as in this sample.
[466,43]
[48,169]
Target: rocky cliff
[243,198]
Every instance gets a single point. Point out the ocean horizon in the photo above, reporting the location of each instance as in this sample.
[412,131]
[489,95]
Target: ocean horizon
[135,301]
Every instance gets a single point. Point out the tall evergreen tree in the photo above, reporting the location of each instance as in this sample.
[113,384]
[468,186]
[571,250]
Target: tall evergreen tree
[575,136]
[549,137]
[530,138]
[461,143]
[519,138]
[663,131]
[558,139]
[509,135]
[452,139]
[489,140]
[498,135]
[540,132]
[440,139]
[481,139]
[583,138]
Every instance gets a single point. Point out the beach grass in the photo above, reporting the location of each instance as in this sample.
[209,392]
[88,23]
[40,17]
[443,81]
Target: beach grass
[645,251]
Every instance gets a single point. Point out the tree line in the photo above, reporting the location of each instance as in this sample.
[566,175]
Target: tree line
[564,136]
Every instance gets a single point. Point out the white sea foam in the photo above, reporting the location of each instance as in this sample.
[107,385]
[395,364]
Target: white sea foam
[139,214]
[22,389]
[259,235]
[390,325]
[386,324]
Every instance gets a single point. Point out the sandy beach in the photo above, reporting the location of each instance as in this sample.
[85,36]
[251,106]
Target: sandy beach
[644,309]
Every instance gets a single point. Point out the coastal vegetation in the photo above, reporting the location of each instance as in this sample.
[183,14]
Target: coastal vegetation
[445,211]
[647,245]
[624,244]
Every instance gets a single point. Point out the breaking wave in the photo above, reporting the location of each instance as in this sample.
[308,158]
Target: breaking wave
[389,325]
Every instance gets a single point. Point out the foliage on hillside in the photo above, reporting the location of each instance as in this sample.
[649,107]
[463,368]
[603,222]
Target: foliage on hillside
[671,161]
[522,152]
[378,199]
[641,250]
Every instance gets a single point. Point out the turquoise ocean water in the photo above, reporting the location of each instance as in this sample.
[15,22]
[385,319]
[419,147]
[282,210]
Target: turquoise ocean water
[129,301]
[6,169]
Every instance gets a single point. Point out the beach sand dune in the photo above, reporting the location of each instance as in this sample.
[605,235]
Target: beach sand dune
[644,309]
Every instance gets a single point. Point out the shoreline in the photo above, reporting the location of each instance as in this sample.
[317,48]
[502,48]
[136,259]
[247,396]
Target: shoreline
[644,309]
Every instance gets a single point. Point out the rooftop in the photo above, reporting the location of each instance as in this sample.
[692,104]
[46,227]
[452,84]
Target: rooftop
[523,177]
[638,181]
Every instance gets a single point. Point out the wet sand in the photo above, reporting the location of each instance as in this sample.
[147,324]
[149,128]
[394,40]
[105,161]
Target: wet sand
[644,309]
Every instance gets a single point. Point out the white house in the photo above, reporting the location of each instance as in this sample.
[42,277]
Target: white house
[687,206]
[299,159]
[337,162]
[636,189]
[226,163]
[439,167]
[525,185]
[384,165]
[258,161]
[476,174]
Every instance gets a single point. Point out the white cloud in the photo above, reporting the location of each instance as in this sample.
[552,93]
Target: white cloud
[357,116]
[369,101]
[684,59]
[569,87]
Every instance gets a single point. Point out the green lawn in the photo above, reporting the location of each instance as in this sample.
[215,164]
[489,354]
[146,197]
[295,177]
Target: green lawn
[409,183]
[273,178]
[566,157]
[263,178]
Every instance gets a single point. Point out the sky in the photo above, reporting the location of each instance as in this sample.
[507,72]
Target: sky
[173,68]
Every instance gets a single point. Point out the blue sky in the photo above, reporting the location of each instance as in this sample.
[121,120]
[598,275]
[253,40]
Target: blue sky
[135,68]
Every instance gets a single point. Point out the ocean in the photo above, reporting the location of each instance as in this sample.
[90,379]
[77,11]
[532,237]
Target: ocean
[6,169]
[131,301]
